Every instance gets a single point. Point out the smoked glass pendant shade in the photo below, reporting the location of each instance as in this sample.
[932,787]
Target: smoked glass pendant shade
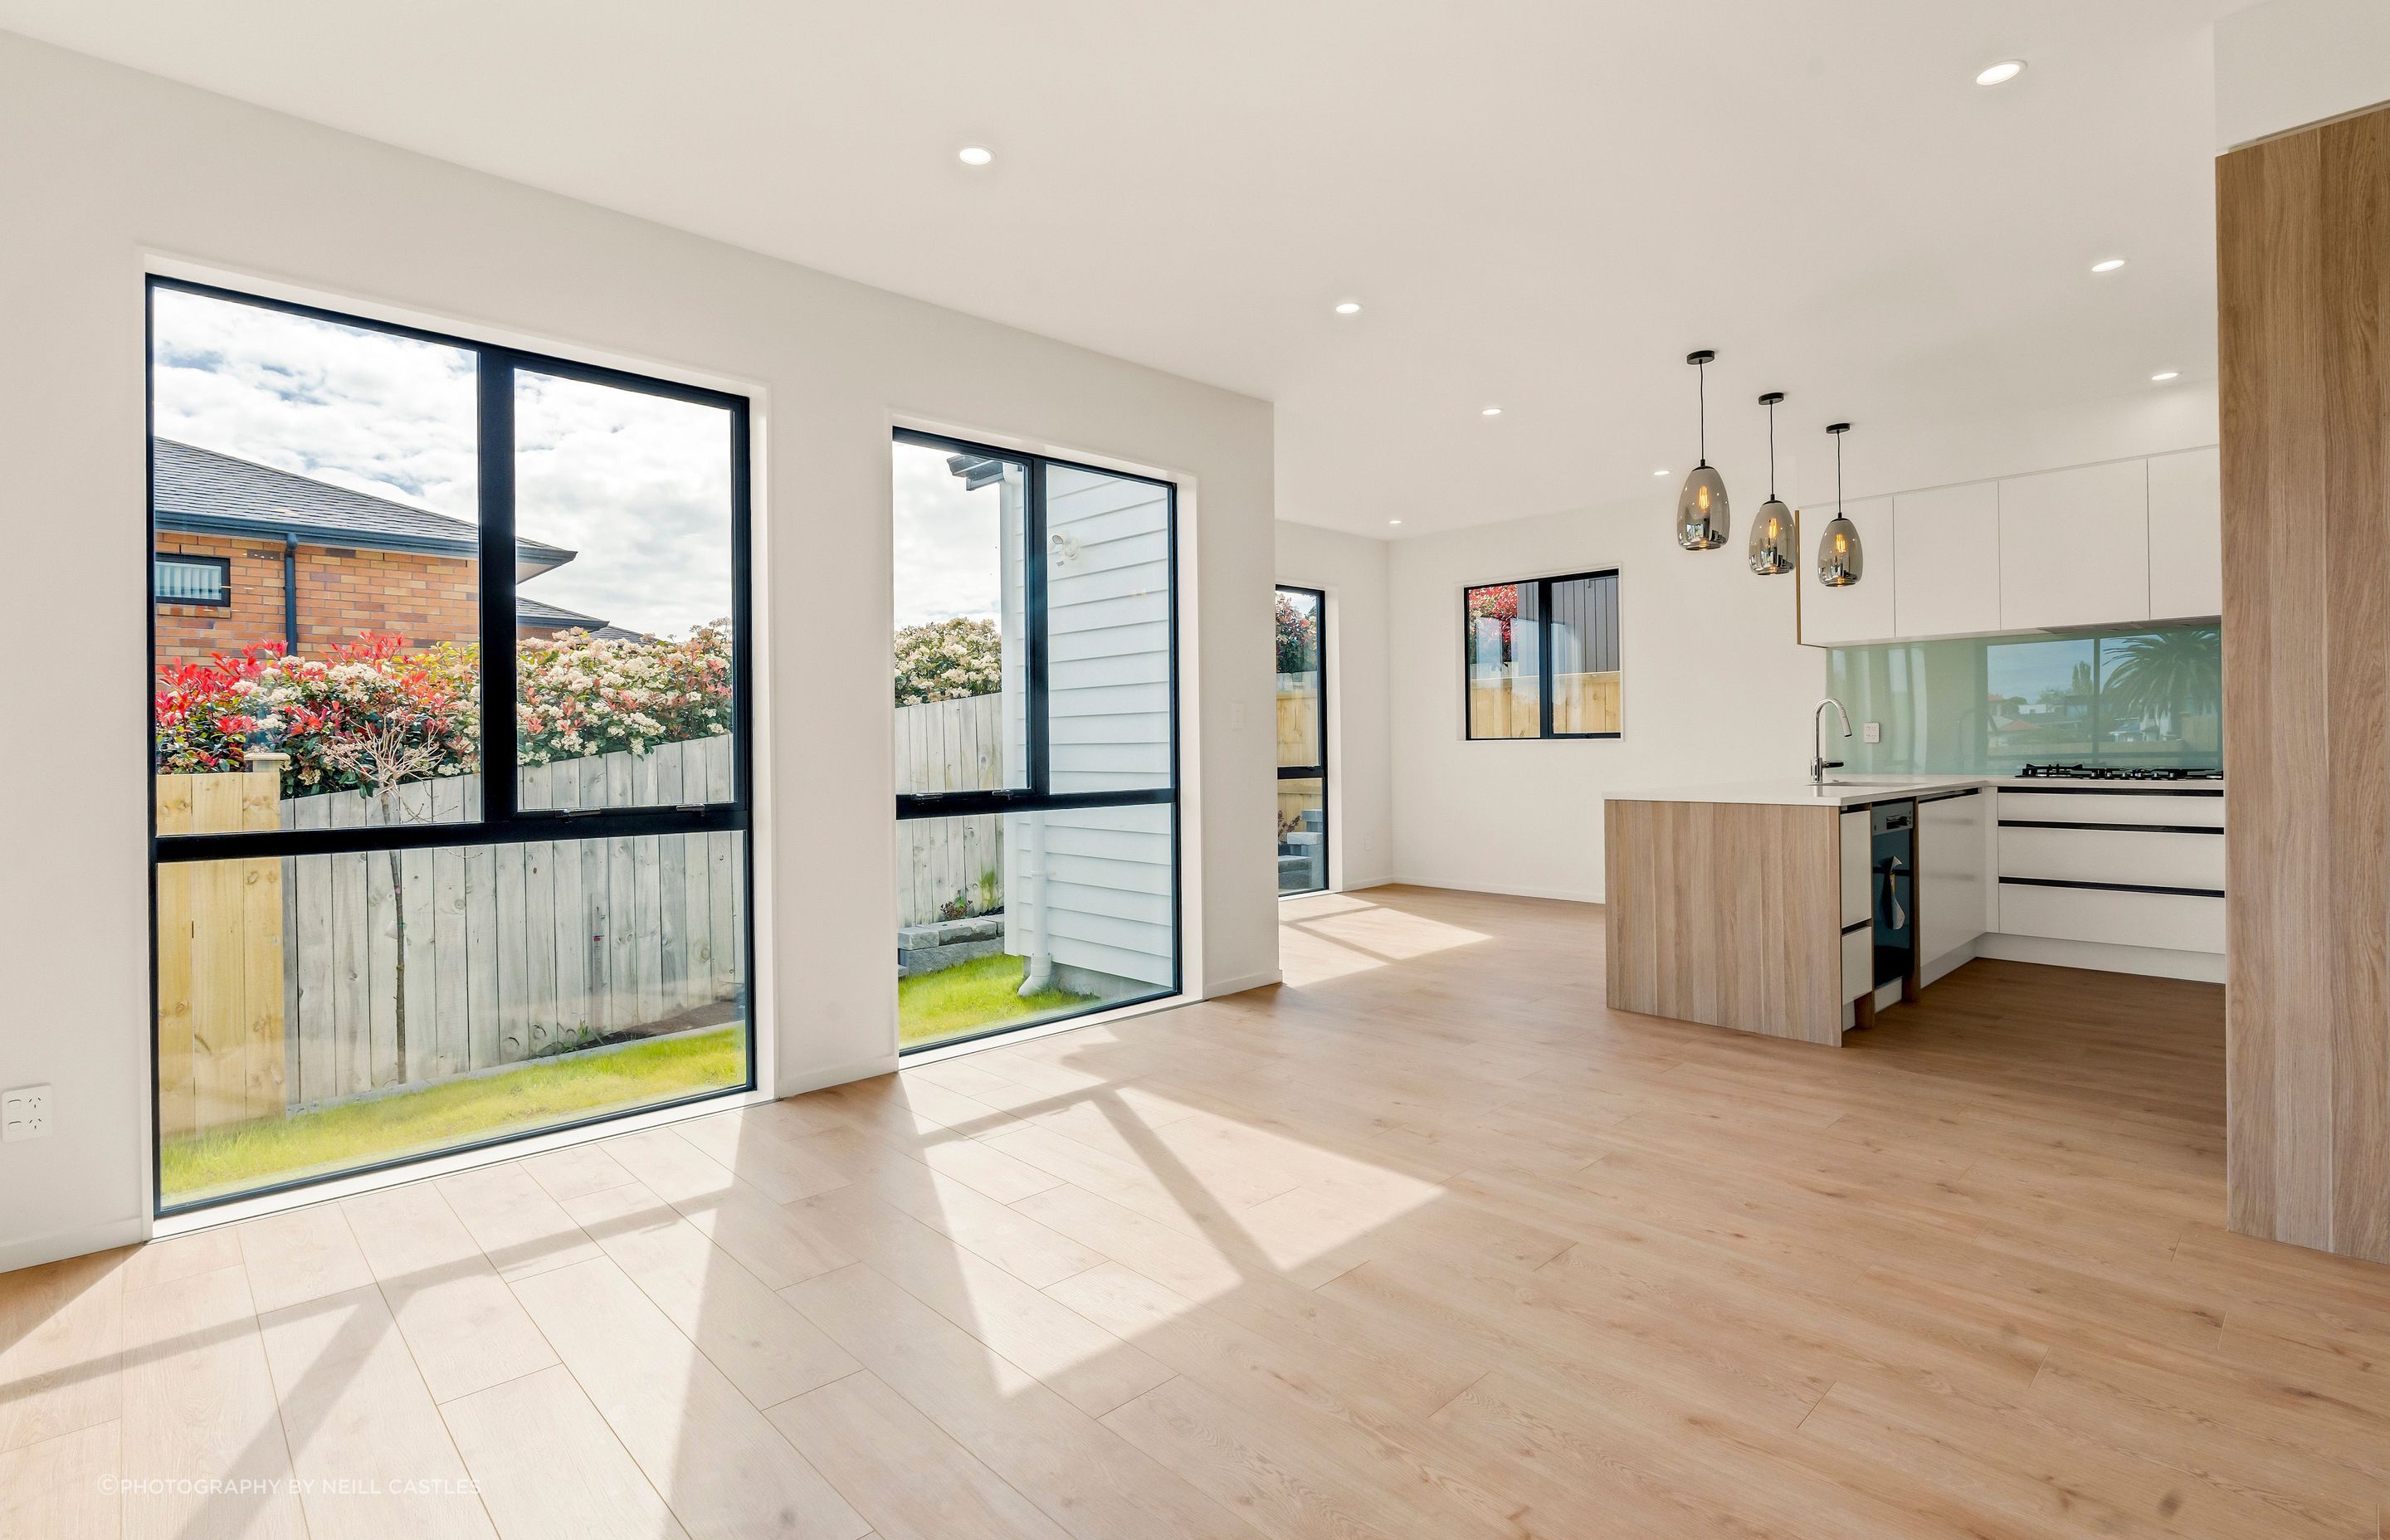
[1840,559]
[1702,517]
[1771,539]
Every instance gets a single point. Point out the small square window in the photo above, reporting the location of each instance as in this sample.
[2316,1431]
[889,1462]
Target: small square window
[193,579]
[1541,657]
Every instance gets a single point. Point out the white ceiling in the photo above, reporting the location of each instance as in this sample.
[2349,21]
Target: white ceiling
[1540,205]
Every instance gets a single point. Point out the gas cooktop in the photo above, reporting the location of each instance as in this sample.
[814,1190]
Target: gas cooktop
[2118,773]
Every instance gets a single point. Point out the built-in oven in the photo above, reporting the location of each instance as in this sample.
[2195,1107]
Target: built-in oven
[1894,827]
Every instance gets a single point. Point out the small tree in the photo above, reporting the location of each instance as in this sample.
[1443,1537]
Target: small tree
[395,749]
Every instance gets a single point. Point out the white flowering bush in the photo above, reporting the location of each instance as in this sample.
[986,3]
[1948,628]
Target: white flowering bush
[948,660]
[578,695]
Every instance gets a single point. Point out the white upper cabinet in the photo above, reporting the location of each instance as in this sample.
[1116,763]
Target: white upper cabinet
[2186,535]
[1946,543]
[2075,546]
[1865,611]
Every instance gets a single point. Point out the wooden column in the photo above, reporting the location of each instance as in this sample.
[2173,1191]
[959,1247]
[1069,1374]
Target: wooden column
[2304,331]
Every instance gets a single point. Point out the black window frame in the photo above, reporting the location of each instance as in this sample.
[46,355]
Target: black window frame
[223,564]
[1037,795]
[503,822]
[1543,591]
[1316,772]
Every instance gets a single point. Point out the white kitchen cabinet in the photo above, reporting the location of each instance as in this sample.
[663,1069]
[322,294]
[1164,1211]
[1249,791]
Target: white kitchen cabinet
[1858,849]
[2137,855]
[1954,873]
[1865,611]
[1858,962]
[2174,922]
[1947,568]
[2075,546]
[2186,535]
[2183,809]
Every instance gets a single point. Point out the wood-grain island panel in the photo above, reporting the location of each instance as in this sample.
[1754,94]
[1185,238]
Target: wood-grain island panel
[1727,914]
[2304,334]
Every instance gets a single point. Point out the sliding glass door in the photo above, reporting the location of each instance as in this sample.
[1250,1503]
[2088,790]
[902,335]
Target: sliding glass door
[1035,686]
[1301,740]
[383,562]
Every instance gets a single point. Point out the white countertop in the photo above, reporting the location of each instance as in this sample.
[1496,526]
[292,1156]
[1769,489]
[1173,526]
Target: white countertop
[1841,792]
[1853,790]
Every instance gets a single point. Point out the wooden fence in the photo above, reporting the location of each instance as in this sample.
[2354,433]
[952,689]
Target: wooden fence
[946,867]
[1509,706]
[283,983]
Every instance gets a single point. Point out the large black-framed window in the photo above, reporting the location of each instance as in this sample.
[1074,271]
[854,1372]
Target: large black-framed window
[1539,658]
[451,864]
[1036,698]
[1301,641]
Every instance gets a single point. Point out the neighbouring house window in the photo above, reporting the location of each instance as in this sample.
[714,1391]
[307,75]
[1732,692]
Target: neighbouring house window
[193,579]
[452,813]
[1036,697]
[1540,657]
[1302,644]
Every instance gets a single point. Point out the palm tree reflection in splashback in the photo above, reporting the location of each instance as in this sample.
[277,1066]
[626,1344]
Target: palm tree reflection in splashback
[2169,678]
[2151,696]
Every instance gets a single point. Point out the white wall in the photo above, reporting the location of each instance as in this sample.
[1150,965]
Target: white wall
[1713,685]
[1711,688]
[106,166]
[2289,63]
[1351,569]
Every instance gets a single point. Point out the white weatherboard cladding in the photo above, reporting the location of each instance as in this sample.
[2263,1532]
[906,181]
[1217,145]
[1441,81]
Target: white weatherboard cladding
[1107,872]
[1108,889]
[1108,628]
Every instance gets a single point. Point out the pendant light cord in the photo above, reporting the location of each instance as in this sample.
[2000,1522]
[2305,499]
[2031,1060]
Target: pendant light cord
[1771,451]
[1838,475]
[1702,386]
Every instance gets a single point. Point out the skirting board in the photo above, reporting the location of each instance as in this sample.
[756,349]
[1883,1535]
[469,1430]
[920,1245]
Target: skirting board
[40,1249]
[2157,962]
[1213,991]
[1567,895]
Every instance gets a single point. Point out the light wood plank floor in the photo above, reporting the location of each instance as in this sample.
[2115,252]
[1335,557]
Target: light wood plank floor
[1423,1243]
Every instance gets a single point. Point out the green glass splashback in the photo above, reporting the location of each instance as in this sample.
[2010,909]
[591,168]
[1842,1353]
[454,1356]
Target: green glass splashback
[2151,696]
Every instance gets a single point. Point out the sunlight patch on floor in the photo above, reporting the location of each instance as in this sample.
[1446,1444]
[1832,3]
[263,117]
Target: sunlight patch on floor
[1335,935]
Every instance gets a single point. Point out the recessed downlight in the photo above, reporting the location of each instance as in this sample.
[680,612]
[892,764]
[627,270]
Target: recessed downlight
[2107,264]
[1662,472]
[2001,73]
[1348,307]
[1393,520]
[2163,374]
[1490,411]
[974,155]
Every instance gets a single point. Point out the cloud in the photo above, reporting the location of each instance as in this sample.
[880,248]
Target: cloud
[638,485]
[949,541]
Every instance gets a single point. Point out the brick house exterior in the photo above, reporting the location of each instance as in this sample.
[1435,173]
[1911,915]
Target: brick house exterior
[355,562]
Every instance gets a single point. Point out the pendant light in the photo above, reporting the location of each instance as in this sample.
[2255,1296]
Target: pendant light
[1775,545]
[1702,519]
[1840,559]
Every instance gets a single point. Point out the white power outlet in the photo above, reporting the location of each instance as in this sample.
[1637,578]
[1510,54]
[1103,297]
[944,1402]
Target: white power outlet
[25,1114]
[1873,732]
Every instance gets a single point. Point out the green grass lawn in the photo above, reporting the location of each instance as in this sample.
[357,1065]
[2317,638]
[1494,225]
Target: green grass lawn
[974,997]
[539,1092]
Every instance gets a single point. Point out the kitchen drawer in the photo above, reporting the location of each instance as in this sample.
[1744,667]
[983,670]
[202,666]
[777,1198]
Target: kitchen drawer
[1858,962]
[2131,855]
[2197,809]
[1858,848]
[2169,920]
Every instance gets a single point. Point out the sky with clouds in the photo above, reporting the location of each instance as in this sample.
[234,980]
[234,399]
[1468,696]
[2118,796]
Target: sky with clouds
[949,558]
[638,485]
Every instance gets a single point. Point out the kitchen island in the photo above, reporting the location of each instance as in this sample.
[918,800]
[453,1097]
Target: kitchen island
[1762,906]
